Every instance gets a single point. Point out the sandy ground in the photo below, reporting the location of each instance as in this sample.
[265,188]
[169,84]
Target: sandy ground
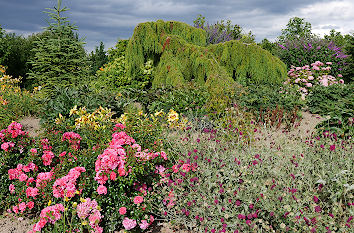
[31,125]
[10,224]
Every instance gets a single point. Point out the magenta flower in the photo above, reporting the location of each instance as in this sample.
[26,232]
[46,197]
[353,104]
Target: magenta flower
[315,199]
[318,209]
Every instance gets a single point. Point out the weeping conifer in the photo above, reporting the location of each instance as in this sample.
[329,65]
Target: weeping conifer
[181,54]
[60,59]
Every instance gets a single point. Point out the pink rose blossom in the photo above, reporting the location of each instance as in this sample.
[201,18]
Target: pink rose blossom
[102,189]
[12,188]
[138,199]
[144,224]
[33,151]
[22,207]
[122,210]
[30,205]
[129,223]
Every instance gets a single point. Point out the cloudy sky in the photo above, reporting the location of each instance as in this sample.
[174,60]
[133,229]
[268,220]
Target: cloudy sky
[109,20]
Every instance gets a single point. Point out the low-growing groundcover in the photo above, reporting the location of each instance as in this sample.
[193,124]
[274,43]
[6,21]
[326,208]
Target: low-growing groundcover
[215,186]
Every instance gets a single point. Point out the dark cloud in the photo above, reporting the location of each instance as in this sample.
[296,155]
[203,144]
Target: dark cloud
[108,20]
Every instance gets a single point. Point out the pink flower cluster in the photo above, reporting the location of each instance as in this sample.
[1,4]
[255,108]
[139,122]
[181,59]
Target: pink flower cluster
[89,209]
[20,171]
[49,214]
[66,186]
[306,77]
[47,157]
[73,138]
[114,157]
[7,145]
[131,223]
[43,178]
[45,144]
[13,130]
[22,207]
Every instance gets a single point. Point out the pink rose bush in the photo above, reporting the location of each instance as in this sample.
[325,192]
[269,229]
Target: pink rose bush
[307,76]
[50,214]
[57,176]
[117,163]
[66,186]
[74,139]
[14,139]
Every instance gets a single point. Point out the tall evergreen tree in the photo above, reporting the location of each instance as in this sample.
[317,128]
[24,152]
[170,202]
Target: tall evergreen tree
[98,58]
[60,59]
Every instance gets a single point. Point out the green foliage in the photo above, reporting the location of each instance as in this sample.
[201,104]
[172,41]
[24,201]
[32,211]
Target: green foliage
[114,73]
[348,73]
[180,56]
[271,105]
[338,38]
[60,59]
[15,51]
[62,100]
[118,50]
[182,100]
[248,63]
[98,58]
[295,29]
[335,101]
[269,46]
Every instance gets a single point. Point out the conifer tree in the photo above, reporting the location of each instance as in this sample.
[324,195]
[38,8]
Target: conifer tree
[60,59]
[98,58]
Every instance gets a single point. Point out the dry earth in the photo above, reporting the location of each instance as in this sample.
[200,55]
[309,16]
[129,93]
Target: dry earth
[10,224]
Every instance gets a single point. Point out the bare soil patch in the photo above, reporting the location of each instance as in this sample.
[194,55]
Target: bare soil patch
[11,224]
[31,125]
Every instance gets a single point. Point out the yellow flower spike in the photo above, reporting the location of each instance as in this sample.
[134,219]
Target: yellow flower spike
[74,204]
[84,223]
[77,192]
[66,199]
[66,209]
[49,202]
[82,200]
